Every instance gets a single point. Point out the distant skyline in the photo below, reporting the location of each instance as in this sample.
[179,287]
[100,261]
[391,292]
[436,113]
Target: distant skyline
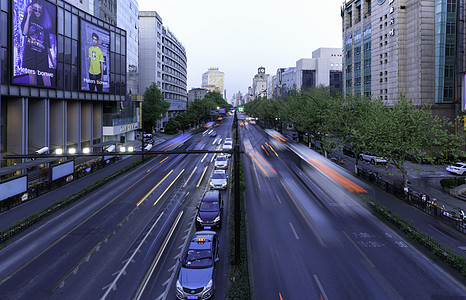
[240,36]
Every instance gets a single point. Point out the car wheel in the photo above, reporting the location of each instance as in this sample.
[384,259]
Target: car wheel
[463,174]
[373,161]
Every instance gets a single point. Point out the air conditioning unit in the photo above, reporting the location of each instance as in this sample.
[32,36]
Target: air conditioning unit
[44,150]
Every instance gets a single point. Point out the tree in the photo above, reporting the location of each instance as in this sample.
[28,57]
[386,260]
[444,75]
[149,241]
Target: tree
[410,131]
[153,107]
[172,126]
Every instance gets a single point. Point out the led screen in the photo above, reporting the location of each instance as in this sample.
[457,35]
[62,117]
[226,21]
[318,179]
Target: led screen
[34,43]
[95,44]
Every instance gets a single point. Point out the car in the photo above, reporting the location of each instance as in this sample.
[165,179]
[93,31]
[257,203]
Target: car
[347,150]
[221,162]
[219,180]
[458,168]
[196,278]
[209,214]
[229,140]
[227,146]
[372,158]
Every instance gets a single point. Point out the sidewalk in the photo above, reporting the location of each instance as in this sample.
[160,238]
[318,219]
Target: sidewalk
[423,179]
[7,218]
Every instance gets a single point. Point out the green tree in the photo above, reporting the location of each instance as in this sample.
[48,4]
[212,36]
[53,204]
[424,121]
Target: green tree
[153,107]
[172,126]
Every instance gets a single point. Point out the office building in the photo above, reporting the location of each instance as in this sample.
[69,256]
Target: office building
[409,47]
[162,60]
[59,104]
[196,93]
[213,80]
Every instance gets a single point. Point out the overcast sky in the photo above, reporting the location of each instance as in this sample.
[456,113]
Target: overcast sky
[240,36]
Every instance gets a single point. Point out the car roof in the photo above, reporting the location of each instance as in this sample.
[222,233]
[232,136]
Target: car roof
[219,172]
[221,155]
[211,196]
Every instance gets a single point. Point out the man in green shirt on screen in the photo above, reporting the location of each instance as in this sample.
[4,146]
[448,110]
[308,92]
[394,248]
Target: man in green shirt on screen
[96,65]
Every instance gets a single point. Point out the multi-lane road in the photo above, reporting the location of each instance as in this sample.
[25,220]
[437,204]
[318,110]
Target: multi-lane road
[310,236]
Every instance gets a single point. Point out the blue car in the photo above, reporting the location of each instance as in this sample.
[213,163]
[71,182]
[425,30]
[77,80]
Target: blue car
[196,279]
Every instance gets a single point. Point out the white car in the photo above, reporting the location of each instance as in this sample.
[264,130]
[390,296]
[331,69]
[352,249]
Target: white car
[372,158]
[458,168]
[227,146]
[219,180]
[221,162]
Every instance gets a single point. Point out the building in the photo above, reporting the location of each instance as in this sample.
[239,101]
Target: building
[213,80]
[324,68]
[162,61]
[409,47]
[259,83]
[60,104]
[196,93]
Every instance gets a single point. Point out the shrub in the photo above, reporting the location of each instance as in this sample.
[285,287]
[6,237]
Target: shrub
[452,182]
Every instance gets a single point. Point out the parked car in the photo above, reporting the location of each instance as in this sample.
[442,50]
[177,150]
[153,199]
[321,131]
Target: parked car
[196,278]
[221,162]
[219,180]
[347,150]
[209,214]
[458,168]
[372,158]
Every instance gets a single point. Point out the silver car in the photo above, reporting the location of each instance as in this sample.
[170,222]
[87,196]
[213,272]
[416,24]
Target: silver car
[219,180]
[221,162]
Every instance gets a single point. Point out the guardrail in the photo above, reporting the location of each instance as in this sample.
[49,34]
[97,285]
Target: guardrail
[417,200]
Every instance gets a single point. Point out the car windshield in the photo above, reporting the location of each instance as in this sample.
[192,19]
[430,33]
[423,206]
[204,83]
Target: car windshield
[209,206]
[458,165]
[198,259]
[218,176]
[221,158]
[227,143]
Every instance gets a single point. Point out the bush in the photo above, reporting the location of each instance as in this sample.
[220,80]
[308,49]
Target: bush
[452,182]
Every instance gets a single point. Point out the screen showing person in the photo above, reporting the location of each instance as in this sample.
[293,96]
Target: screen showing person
[94,63]
[34,43]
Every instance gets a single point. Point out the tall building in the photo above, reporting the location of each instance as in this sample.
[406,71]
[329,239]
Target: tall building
[121,119]
[162,61]
[59,104]
[213,80]
[402,46]
[259,83]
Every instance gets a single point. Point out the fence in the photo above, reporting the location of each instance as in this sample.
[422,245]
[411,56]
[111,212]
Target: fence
[418,200]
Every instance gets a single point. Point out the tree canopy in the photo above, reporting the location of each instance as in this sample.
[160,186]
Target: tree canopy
[154,107]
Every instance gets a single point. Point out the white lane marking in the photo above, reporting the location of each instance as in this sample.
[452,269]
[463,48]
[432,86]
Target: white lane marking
[294,231]
[279,201]
[324,296]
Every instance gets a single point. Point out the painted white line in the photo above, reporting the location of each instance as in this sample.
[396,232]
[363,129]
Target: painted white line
[322,292]
[202,160]
[294,231]
[112,286]
[279,201]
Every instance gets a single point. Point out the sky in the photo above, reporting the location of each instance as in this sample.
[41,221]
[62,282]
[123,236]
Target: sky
[238,37]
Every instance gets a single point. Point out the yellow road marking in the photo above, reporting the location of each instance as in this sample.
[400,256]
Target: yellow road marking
[168,187]
[147,195]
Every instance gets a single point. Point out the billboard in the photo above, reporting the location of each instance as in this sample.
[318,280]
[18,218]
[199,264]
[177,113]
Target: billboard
[95,53]
[34,43]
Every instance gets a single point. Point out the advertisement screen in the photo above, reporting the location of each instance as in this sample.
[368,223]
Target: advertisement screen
[34,43]
[95,53]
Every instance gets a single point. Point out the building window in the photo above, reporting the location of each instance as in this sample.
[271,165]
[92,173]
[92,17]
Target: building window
[451,6]
[451,28]
[450,50]
[448,93]
[449,71]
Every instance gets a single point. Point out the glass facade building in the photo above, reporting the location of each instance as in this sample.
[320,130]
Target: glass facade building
[63,113]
